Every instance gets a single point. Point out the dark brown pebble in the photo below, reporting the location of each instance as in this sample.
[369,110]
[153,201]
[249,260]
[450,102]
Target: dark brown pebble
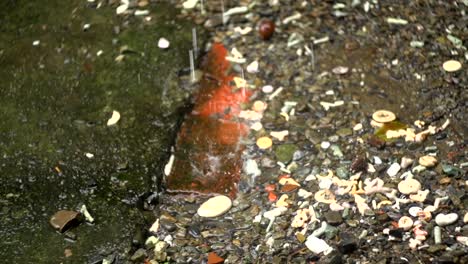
[266,29]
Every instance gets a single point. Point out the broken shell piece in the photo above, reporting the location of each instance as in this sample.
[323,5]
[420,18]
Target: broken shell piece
[163,43]
[285,180]
[425,215]
[155,227]
[257,126]
[446,219]
[393,169]
[282,201]
[259,106]
[427,161]
[252,67]
[240,82]
[465,218]
[409,186]
[264,142]
[414,243]
[325,196]
[301,218]
[243,31]
[361,204]
[189,4]
[114,119]
[357,127]
[383,116]
[336,207]
[316,245]
[420,196]
[305,194]
[121,9]
[451,66]
[86,214]
[250,115]
[280,135]
[376,124]
[405,223]
[419,123]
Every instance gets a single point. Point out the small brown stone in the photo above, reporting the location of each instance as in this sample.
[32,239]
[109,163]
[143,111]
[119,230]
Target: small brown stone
[376,142]
[64,219]
[359,164]
[445,180]
[289,188]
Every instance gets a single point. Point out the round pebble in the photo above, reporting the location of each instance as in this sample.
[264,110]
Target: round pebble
[264,142]
[446,219]
[414,210]
[451,66]
[259,106]
[266,28]
[427,161]
[383,116]
[215,206]
[409,186]
[405,223]
[163,43]
[267,89]
[325,145]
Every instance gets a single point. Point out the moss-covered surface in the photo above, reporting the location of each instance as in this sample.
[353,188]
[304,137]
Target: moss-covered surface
[55,100]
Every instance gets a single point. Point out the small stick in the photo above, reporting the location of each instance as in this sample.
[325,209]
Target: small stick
[192,65]
[222,9]
[194,41]
[312,56]
[202,7]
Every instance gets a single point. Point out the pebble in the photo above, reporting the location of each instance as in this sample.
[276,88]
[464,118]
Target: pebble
[452,66]
[414,210]
[215,206]
[405,223]
[333,218]
[325,145]
[266,28]
[465,218]
[406,162]
[252,67]
[64,219]
[264,142]
[267,89]
[393,169]
[163,43]
[383,116]
[316,245]
[409,186]
[446,219]
[348,243]
[427,161]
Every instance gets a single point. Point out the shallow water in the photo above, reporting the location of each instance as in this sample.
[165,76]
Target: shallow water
[55,100]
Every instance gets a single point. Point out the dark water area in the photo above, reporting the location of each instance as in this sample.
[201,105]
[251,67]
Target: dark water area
[60,84]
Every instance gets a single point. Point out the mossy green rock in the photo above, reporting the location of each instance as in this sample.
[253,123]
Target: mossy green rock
[285,152]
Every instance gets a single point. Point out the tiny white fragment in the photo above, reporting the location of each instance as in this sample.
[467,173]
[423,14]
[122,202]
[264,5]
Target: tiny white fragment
[86,214]
[189,4]
[163,43]
[252,67]
[168,167]
[114,119]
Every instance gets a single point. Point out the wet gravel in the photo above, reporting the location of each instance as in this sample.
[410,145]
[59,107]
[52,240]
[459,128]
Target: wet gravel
[337,64]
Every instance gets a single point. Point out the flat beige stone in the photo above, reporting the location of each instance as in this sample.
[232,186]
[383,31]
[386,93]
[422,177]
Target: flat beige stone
[215,206]
[452,66]
[427,161]
[409,186]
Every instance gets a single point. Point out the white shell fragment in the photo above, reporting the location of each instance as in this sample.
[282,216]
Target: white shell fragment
[316,245]
[252,67]
[86,214]
[339,70]
[114,119]
[163,43]
[189,4]
[215,206]
[446,219]
[383,116]
[452,66]
[121,9]
[405,223]
[393,169]
[267,89]
[414,210]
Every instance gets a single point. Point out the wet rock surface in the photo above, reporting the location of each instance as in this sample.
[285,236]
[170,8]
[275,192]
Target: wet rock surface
[65,67]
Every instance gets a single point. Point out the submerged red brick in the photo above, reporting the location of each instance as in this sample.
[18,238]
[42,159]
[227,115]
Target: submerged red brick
[208,153]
